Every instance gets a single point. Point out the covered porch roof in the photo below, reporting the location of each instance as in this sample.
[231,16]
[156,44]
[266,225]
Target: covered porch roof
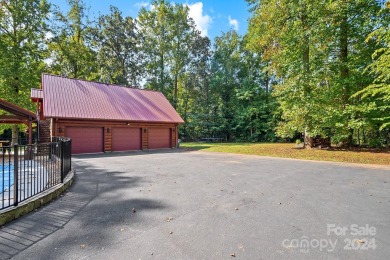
[18,115]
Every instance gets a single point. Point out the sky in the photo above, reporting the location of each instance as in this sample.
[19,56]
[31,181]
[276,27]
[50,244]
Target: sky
[212,17]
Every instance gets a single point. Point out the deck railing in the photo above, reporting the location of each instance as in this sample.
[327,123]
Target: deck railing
[27,170]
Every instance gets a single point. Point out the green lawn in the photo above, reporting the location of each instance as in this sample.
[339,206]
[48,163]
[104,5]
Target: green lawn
[288,150]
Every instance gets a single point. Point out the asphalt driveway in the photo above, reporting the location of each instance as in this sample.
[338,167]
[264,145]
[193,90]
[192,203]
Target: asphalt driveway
[199,205]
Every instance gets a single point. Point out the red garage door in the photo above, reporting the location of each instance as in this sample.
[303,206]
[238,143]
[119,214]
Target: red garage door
[126,139]
[85,139]
[159,138]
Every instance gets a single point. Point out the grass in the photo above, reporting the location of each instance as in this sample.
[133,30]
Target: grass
[288,150]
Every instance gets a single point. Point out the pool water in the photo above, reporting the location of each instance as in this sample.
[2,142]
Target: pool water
[6,177]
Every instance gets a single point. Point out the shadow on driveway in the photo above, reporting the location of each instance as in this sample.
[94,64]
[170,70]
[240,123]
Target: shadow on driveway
[110,212]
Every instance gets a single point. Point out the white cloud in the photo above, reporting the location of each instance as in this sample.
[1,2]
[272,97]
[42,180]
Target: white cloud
[142,4]
[233,23]
[145,5]
[202,21]
[48,35]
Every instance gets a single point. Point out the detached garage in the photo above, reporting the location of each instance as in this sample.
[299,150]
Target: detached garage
[104,118]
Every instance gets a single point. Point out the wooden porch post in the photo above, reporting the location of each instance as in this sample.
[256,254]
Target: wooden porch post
[30,130]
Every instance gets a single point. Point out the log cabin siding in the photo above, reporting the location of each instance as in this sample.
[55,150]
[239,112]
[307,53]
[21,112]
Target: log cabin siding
[59,129]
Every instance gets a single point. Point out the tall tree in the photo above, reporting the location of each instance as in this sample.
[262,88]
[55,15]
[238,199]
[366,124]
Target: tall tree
[22,49]
[168,35]
[226,62]
[118,43]
[375,98]
[317,52]
[22,35]
[153,26]
[351,54]
[282,33]
[256,106]
[183,34]
[195,98]
[71,51]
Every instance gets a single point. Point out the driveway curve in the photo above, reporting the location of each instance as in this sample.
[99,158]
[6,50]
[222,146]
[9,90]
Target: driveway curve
[198,205]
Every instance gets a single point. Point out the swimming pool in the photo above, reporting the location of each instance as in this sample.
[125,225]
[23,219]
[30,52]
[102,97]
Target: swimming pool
[6,177]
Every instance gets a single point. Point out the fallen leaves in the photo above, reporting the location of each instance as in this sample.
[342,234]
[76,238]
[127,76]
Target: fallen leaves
[285,150]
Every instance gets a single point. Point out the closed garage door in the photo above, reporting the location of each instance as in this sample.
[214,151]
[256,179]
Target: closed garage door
[85,139]
[126,139]
[159,138]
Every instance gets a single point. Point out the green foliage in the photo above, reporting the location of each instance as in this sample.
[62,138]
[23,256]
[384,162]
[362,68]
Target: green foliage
[118,42]
[376,96]
[168,36]
[237,104]
[317,52]
[22,49]
[319,68]
[70,47]
[22,33]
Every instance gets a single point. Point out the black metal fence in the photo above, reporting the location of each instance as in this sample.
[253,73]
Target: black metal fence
[20,141]
[27,170]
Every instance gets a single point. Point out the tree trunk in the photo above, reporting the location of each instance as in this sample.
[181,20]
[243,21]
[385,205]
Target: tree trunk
[305,43]
[175,93]
[343,59]
[266,87]
[15,134]
[161,72]
[358,134]
[307,140]
[350,137]
[185,112]
[364,136]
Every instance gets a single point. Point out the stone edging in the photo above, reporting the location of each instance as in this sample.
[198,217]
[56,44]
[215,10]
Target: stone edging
[37,201]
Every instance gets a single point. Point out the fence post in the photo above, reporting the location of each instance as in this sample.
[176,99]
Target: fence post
[70,154]
[16,174]
[50,149]
[62,160]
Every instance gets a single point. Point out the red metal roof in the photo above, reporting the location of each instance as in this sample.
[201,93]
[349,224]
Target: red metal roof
[36,94]
[80,99]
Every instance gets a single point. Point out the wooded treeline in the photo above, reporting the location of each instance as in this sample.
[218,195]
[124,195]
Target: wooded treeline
[314,68]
